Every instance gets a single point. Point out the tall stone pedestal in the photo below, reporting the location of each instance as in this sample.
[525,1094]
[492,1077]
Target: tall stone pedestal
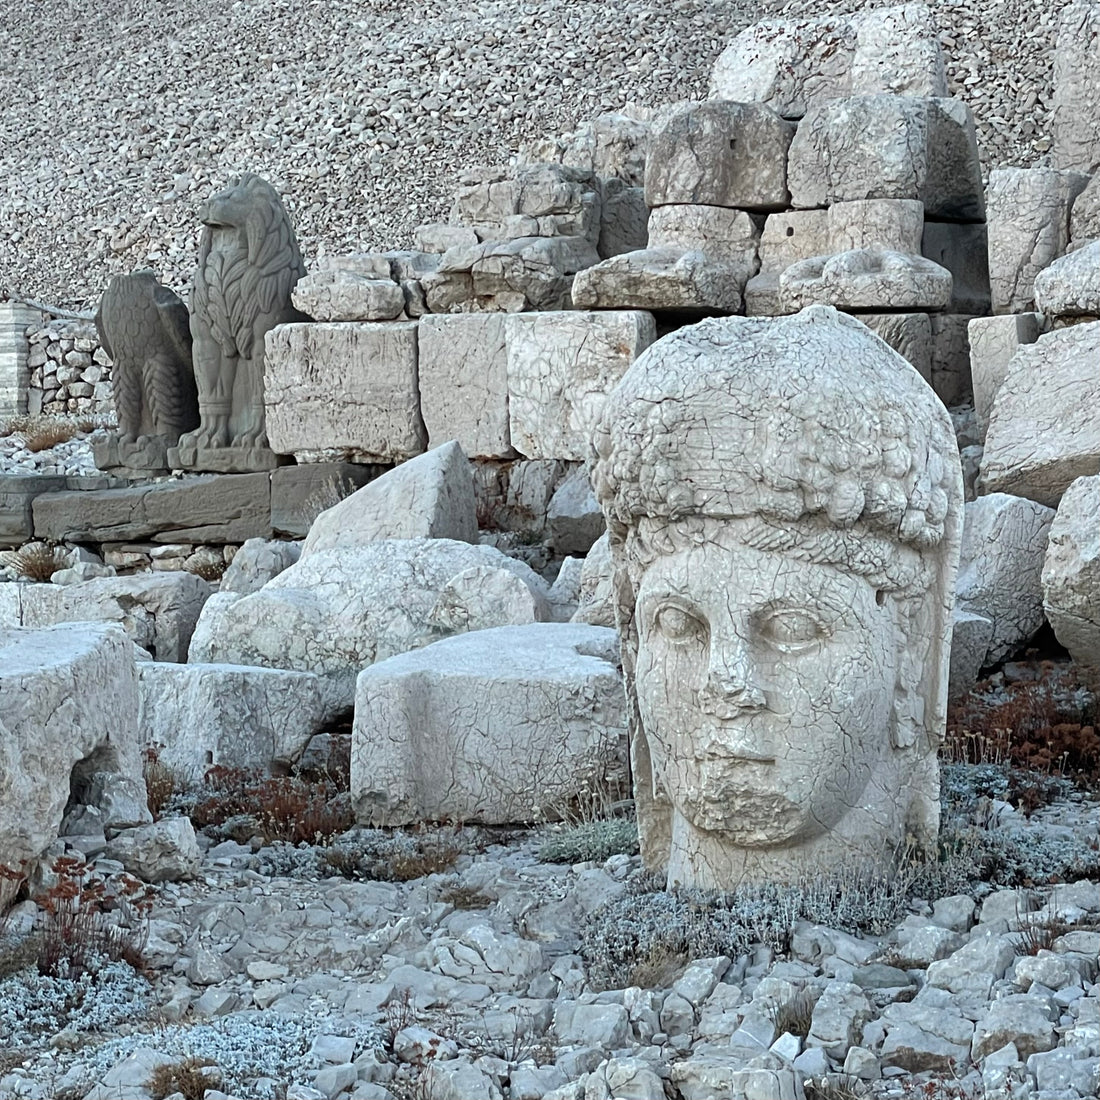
[14,372]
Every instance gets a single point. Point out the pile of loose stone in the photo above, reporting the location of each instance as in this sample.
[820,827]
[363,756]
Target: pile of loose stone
[102,169]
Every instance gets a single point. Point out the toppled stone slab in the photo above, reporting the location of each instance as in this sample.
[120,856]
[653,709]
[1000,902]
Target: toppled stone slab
[888,147]
[513,276]
[430,496]
[993,343]
[208,509]
[344,391]
[1043,431]
[1076,121]
[198,716]
[463,375]
[339,610]
[497,726]
[1070,286]
[866,278]
[789,63]
[1028,222]
[157,610]
[561,366]
[1071,572]
[720,153]
[1004,542]
[299,494]
[68,711]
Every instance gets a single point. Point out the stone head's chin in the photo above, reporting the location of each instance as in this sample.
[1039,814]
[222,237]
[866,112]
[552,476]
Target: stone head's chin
[751,819]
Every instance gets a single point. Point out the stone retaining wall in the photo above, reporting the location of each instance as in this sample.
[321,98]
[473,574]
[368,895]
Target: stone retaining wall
[69,371]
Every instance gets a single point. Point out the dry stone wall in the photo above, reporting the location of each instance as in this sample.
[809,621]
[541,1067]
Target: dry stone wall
[69,371]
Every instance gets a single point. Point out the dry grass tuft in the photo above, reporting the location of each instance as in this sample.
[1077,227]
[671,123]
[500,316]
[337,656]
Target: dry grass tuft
[191,1078]
[37,561]
[796,1015]
[160,781]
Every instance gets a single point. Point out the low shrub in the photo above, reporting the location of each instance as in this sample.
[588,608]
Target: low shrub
[590,840]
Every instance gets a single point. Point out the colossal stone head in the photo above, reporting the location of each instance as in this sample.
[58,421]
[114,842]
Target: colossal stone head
[784,500]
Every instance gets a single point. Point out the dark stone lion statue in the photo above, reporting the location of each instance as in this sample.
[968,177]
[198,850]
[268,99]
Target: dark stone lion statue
[249,263]
[143,326]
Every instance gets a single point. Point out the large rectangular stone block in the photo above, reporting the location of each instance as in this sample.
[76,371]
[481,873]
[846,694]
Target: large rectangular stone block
[951,358]
[561,367]
[299,494]
[888,147]
[1028,214]
[464,382]
[344,391]
[791,236]
[17,495]
[993,343]
[209,508]
[964,251]
[1076,121]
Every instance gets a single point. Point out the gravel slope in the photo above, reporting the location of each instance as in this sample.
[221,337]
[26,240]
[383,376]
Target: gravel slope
[121,116]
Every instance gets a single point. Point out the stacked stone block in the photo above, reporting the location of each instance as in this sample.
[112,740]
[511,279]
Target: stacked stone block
[69,371]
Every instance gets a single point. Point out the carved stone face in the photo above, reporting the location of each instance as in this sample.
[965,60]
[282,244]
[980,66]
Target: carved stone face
[765,687]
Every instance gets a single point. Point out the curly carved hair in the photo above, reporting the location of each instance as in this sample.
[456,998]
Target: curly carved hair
[809,418]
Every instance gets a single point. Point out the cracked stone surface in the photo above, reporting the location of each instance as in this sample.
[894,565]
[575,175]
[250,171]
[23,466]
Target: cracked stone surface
[339,610]
[497,726]
[715,460]
[789,63]
[1003,545]
[1071,572]
[430,496]
[1070,286]
[1076,119]
[561,366]
[236,716]
[888,147]
[1043,430]
[351,386]
[993,343]
[68,694]
[720,153]
[866,278]
[463,378]
[1028,212]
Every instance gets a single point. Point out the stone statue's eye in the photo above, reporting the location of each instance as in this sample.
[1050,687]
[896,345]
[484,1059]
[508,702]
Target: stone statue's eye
[678,625]
[791,630]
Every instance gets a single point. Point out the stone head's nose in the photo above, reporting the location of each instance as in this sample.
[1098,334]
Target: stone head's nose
[732,686]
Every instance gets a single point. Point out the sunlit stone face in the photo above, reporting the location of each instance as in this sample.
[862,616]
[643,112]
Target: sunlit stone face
[765,687]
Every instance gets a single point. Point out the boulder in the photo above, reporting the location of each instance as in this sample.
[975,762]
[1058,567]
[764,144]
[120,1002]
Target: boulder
[720,153]
[612,145]
[211,508]
[464,382]
[1004,542]
[339,610]
[157,610]
[1084,218]
[574,517]
[500,726]
[1071,572]
[430,496]
[235,716]
[970,638]
[163,851]
[257,562]
[993,343]
[561,366]
[68,712]
[1028,222]
[789,63]
[1076,121]
[1070,287]
[344,392]
[866,278]
[1043,431]
[888,147]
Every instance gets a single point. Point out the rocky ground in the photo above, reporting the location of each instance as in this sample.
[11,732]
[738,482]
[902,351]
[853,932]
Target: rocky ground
[464,962]
[122,116]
